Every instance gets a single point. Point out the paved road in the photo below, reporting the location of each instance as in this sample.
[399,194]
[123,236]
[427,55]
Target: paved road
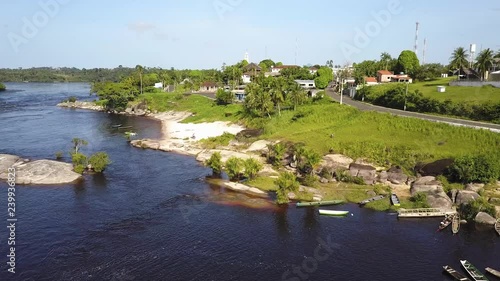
[453,121]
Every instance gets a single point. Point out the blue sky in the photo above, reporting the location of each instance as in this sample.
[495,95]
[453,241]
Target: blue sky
[207,33]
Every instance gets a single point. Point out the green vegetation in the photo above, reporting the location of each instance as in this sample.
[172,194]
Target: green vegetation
[215,163]
[420,200]
[223,97]
[481,204]
[252,167]
[59,155]
[234,168]
[214,142]
[287,182]
[99,161]
[408,63]
[2,87]
[77,144]
[325,75]
[276,153]
[79,162]
[476,168]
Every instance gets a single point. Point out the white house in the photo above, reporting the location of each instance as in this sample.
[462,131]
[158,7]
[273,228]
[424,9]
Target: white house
[159,85]
[306,84]
[246,78]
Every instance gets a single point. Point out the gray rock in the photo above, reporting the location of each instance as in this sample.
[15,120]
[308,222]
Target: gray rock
[484,218]
[397,177]
[494,201]
[465,197]
[259,146]
[454,193]
[366,172]
[382,177]
[323,180]
[371,193]
[336,162]
[439,200]
[40,172]
[436,197]
[292,196]
[476,187]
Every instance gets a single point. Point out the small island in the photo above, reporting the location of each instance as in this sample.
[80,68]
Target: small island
[2,87]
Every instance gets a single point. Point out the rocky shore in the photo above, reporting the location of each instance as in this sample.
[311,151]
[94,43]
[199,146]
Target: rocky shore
[39,172]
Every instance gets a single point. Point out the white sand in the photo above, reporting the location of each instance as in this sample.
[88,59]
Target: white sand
[173,129]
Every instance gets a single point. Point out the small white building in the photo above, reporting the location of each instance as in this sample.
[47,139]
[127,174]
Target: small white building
[306,84]
[246,78]
[159,85]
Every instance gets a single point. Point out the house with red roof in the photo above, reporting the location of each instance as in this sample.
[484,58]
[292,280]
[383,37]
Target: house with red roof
[369,81]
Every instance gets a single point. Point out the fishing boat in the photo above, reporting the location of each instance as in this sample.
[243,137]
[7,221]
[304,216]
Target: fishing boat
[493,272]
[319,203]
[395,200]
[473,271]
[455,223]
[333,213]
[378,197]
[497,226]
[455,274]
[445,223]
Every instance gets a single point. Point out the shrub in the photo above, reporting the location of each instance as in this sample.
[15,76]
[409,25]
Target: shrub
[469,211]
[234,167]
[276,154]
[420,200]
[310,180]
[478,168]
[345,177]
[252,167]
[79,159]
[214,142]
[287,182]
[59,155]
[72,99]
[79,169]
[223,97]
[215,162]
[307,161]
[99,161]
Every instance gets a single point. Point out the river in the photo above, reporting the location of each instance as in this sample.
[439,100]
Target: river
[152,216]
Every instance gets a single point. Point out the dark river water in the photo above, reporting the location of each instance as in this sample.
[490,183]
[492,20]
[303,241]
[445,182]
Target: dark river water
[152,216]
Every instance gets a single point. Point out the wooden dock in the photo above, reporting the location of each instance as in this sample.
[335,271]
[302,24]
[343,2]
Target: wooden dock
[424,213]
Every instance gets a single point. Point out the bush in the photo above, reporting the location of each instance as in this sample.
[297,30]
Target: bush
[234,167]
[99,161]
[223,97]
[252,167]
[214,142]
[469,211]
[287,182]
[478,168]
[310,180]
[215,162]
[79,159]
[345,177]
[72,99]
[420,200]
[59,155]
[276,154]
[79,169]
[307,161]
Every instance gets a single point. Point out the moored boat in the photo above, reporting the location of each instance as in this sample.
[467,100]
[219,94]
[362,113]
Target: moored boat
[319,203]
[473,271]
[493,271]
[333,212]
[455,223]
[445,223]
[378,197]
[395,200]
[455,274]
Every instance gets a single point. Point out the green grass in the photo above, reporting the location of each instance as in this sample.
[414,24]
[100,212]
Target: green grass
[263,183]
[214,142]
[453,93]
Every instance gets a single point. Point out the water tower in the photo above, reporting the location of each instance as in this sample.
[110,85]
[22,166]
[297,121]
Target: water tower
[472,52]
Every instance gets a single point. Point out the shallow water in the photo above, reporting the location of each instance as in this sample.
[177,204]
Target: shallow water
[152,216]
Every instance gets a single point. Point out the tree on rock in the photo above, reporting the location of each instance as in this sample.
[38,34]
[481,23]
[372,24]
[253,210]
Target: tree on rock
[408,63]
[99,161]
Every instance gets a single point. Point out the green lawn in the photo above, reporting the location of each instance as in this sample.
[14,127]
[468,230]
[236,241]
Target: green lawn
[453,93]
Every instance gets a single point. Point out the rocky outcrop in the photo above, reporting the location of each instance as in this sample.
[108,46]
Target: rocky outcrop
[366,172]
[465,197]
[40,172]
[396,175]
[245,189]
[484,218]
[226,154]
[382,177]
[436,197]
[259,147]
[82,105]
[336,162]
[435,168]
[476,187]
[139,109]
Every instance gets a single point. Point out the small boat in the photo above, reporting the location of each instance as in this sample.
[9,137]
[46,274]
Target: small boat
[395,200]
[455,223]
[333,213]
[319,203]
[473,271]
[116,126]
[130,134]
[497,226]
[445,223]
[378,197]
[493,272]
[455,274]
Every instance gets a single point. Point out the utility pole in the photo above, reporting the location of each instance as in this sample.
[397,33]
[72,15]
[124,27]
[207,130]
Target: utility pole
[406,94]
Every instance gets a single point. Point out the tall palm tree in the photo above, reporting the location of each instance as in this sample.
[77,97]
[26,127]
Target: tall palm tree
[385,58]
[140,70]
[296,94]
[278,92]
[484,62]
[458,59]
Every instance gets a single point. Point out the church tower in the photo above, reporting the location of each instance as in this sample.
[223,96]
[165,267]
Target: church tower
[247,58]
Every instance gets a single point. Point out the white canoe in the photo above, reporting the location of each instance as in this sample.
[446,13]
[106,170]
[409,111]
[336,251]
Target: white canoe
[333,213]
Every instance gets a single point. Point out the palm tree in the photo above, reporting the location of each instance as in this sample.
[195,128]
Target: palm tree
[278,92]
[458,59]
[140,70]
[385,58]
[296,94]
[258,100]
[484,62]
